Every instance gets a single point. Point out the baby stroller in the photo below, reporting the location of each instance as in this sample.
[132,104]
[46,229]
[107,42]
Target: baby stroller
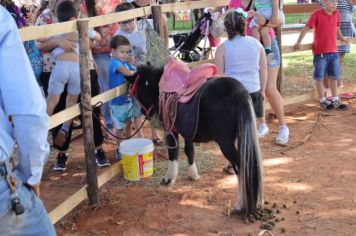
[186,44]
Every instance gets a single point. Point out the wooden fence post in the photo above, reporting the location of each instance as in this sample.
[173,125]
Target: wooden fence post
[280,72]
[86,110]
[157,18]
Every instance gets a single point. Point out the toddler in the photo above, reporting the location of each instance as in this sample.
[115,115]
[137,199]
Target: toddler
[66,70]
[269,9]
[122,109]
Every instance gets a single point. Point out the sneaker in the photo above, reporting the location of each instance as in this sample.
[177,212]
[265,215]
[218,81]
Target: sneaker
[339,105]
[283,135]
[118,155]
[101,160]
[326,105]
[262,130]
[61,163]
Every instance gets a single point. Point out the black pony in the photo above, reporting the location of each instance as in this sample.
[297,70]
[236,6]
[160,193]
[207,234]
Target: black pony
[226,116]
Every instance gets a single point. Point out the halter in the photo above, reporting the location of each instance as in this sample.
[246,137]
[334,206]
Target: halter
[134,92]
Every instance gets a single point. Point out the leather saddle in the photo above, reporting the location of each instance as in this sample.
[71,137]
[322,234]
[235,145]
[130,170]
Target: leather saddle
[178,78]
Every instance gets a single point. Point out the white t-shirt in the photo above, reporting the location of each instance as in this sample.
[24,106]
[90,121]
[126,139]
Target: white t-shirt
[242,61]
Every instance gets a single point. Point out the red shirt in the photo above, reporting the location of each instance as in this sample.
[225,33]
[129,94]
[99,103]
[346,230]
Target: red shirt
[325,31]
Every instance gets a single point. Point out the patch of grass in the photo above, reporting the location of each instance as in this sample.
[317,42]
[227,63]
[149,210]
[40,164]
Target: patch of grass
[298,64]
[296,18]
[181,26]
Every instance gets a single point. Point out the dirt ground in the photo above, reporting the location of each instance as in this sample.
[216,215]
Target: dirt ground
[312,186]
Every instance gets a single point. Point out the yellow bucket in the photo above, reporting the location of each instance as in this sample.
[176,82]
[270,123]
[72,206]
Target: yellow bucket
[137,158]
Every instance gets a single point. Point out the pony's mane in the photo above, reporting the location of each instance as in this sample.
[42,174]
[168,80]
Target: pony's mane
[147,69]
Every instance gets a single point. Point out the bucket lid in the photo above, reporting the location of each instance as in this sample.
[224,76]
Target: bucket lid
[136,146]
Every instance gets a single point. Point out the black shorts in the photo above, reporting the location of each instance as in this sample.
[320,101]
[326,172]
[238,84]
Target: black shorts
[257,101]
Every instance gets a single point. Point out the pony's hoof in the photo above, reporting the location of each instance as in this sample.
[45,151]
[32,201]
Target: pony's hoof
[237,212]
[195,178]
[167,182]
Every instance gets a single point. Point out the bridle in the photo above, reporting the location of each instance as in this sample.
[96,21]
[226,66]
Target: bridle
[134,92]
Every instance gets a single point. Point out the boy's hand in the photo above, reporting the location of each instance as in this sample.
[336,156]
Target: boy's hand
[274,20]
[261,21]
[297,46]
[345,40]
[131,60]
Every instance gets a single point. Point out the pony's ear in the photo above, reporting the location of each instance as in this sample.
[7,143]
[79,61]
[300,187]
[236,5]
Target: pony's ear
[131,78]
[148,63]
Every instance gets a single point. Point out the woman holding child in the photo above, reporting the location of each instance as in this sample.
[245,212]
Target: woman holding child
[45,16]
[274,97]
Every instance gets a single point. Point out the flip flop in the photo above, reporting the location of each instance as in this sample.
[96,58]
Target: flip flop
[157,142]
[346,95]
[343,96]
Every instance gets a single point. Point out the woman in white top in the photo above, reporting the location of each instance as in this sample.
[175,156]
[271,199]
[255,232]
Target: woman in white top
[243,58]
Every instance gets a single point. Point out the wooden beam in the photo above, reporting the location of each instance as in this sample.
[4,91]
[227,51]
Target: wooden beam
[172,7]
[65,207]
[196,63]
[118,16]
[305,47]
[74,111]
[45,31]
[109,174]
[290,49]
[69,204]
[300,8]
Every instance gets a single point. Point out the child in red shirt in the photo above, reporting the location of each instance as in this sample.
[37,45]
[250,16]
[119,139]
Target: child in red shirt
[326,22]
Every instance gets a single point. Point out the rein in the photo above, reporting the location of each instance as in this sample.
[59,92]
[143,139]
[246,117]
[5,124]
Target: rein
[134,92]
[100,103]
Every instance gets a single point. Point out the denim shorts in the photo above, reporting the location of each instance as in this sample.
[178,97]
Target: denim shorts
[120,114]
[64,72]
[326,64]
[276,61]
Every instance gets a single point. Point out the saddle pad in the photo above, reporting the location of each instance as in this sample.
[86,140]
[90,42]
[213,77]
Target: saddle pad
[188,116]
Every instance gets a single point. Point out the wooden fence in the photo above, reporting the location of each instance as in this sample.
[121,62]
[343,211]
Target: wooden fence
[33,33]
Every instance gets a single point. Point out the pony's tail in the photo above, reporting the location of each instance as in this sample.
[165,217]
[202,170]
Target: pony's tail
[250,181]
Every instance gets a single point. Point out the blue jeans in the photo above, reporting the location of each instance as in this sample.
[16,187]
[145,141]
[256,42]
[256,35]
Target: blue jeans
[34,221]
[102,60]
[326,64]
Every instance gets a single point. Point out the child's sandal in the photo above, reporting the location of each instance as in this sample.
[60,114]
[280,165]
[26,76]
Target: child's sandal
[158,142]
